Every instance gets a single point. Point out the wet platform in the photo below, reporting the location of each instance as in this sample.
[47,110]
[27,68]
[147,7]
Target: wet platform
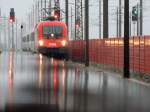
[33,83]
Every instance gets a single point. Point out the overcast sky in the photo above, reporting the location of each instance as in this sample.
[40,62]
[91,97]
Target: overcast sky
[23,6]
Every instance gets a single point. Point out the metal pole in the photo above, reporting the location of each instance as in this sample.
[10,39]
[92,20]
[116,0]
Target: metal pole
[130,27]
[141,17]
[87,31]
[120,18]
[72,36]
[134,27]
[138,20]
[100,3]
[117,24]
[105,19]
[12,36]
[9,45]
[5,35]
[49,7]
[41,10]
[67,13]
[78,19]
[33,18]
[126,40]
[45,8]
[75,21]
[35,11]
[38,11]
[71,23]
[0,40]
[29,22]
[82,20]
[0,32]
[21,37]
[16,34]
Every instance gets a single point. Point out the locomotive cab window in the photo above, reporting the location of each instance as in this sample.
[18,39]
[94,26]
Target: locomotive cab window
[52,32]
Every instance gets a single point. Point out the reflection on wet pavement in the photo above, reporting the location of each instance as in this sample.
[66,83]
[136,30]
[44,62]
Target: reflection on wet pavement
[33,83]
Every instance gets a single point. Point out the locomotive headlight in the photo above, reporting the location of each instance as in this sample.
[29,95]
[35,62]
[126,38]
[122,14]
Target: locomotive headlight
[41,43]
[52,35]
[63,43]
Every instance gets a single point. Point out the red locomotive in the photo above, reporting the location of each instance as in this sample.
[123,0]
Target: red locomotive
[50,37]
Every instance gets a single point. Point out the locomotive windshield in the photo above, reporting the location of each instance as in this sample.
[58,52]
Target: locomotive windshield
[52,32]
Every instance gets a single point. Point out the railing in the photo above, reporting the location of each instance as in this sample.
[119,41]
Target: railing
[109,52]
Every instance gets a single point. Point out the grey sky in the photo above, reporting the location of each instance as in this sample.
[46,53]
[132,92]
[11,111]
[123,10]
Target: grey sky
[22,7]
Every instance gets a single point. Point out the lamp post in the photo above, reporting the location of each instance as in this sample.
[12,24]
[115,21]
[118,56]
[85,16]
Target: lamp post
[21,36]
[105,19]
[120,18]
[67,13]
[126,40]
[141,17]
[75,36]
[0,30]
[12,20]
[87,32]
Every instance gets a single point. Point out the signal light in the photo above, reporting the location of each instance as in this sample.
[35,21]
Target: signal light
[57,14]
[12,15]
[77,24]
[134,13]
[52,35]
[10,20]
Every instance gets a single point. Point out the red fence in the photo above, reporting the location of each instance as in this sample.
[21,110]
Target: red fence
[76,50]
[110,52]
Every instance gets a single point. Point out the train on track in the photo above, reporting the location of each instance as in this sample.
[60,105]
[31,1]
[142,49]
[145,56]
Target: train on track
[49,38]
